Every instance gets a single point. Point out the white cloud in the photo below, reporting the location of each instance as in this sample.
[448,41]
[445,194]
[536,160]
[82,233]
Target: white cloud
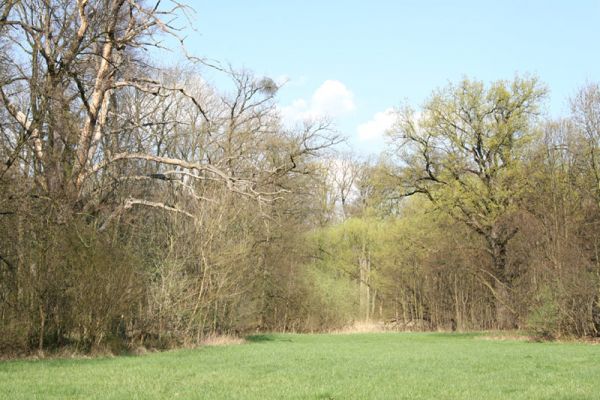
[376,127]
[332,99]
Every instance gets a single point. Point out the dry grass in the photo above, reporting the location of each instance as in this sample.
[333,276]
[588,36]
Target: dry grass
[525,337]
[64,353]
[222,340]
[501,336]
[363,327]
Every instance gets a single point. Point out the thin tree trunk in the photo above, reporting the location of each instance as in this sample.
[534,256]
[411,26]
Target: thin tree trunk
[42,328]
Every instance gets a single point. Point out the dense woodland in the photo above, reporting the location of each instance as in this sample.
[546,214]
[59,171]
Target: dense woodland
[141,205]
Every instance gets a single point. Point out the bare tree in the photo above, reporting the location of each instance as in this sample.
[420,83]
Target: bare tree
[74,69]
[585,106]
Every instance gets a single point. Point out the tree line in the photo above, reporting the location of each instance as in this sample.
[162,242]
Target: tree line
[483,215]
[141,205]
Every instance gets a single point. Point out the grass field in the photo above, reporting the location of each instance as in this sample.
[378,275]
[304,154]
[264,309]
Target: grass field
[357,366]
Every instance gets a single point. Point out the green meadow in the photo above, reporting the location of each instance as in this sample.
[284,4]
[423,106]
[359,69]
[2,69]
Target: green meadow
[343,366]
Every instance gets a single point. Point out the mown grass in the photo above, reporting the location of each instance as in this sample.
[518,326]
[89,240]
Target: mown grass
[356,366]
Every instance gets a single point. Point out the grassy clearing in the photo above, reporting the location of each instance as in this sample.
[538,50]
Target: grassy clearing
[358,366]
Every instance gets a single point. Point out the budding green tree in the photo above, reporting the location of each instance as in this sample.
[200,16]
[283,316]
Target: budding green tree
[463,152]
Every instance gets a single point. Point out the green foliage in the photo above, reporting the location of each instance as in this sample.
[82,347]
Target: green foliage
[342,245]
[418,275]
[332,300]
[465,150]
[543,320]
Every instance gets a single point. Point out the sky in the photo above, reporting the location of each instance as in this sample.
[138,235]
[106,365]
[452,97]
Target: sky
[354,61]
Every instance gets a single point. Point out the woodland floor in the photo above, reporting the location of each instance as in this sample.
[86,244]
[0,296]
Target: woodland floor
[337,366]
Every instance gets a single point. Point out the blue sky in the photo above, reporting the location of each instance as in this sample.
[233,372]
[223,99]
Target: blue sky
[355,59]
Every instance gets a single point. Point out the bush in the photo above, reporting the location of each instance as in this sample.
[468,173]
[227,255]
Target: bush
[543,320]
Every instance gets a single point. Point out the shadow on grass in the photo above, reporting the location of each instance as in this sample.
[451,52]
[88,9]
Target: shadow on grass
[455,335]
[260,338]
